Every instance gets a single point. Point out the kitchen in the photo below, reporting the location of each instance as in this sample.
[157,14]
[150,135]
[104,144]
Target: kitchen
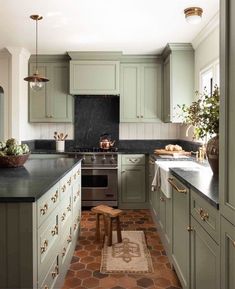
[124,91]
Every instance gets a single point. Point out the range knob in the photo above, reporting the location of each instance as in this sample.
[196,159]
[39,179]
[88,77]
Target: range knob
[83,159]
[104,159]
[93,158]
[112,160]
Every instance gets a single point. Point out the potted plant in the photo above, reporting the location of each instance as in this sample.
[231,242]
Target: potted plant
[203,115]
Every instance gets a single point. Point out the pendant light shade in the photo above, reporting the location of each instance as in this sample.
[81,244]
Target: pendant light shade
[36,81]
[193,15]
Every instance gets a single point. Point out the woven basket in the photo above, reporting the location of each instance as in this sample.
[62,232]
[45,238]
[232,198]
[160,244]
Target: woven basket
[13,161]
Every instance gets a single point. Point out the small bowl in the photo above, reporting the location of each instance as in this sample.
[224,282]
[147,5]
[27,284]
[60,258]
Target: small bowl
[9,161]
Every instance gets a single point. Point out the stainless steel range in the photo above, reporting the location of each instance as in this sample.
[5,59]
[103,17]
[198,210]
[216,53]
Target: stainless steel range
[99,176]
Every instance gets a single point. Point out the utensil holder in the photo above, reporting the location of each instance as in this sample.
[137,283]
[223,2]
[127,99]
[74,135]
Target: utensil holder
[60,145]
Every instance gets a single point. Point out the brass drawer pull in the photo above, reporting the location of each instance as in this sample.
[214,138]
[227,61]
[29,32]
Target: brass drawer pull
[189,229]
[64,188]
[46,287]
[162,199]
[54,231]
[63,216]
[171,181]
[55,273]
[69,181]
[204,215]
[44,209]
[69,240]
[69,208]
[133,160]
[151,163]
[63,252]
[75,226]
[44,247]
[55,197]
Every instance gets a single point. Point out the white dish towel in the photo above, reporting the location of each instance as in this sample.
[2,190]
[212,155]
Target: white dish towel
[156,183]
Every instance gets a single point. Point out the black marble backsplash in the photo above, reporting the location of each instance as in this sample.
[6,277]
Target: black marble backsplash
[94,116]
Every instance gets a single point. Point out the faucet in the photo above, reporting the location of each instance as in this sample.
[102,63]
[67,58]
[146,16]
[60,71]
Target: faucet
[202,153]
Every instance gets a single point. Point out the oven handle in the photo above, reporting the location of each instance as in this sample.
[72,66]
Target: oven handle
[100,168]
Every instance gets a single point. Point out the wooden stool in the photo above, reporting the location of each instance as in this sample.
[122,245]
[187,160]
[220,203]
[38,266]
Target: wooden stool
[109,214]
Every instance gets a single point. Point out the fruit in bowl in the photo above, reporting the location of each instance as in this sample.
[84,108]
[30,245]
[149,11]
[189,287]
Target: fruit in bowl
[13,155]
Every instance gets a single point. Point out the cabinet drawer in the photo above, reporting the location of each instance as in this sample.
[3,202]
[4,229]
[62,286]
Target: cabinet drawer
[133,159]
[48,239]
[66,184]
[65,209]
[52,275]
[76,220]
[66,244]
[47,203]
[206,215]
[76,194]
[76,174]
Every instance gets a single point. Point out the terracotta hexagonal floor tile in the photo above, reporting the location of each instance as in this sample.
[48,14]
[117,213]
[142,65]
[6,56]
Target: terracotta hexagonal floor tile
[81,253]
[93,266]
[72,282]
[126,282]
[87,260]
[99,275]
[70,274]
[162,259]
[145,282]
[77,266]
[90,283]
[83,274]
[95,253]
[162,282]
[108,282]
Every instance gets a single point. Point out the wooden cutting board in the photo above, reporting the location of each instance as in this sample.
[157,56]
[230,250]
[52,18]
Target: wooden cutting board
[171,153]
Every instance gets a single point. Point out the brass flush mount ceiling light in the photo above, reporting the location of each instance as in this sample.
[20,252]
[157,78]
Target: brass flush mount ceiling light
[193,15]
[36,81]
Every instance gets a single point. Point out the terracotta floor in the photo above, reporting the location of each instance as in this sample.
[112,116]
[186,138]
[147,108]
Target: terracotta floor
[84,270]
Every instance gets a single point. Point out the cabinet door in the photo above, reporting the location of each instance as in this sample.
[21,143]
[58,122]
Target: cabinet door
[150,109]
[130,93]
[39,104]
[61,101]
[133,184]
[227,254]
[162,212]
[227,115]
[167,90]
[94,77]
[205,259]
[180,234]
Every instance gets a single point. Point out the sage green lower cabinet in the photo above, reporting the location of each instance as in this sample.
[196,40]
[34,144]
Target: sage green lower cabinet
[180,234]
[205,259]
[227,254]
[38,239]
[132,184]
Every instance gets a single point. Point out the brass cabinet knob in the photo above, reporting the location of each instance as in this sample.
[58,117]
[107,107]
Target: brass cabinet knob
[44,209]
[46,287]
[63,216]
[64,188]
[69,240]
[54,231]
[44,246]
[69,181]
[55,272]
[142,116]
[55,197]
[162,199]
[189,229]
[203,214]
[63,252]
[138,116]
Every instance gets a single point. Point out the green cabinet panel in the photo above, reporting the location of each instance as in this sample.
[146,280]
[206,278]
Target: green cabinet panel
[178,79]
[94,77]
[162,212]
[227,115]
[180,234]
[227,254]
[205,259]
[140,93]
[52,103]
[133,184]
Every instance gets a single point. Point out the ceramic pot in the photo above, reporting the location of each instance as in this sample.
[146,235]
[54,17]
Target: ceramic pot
[212,151]
[60,145]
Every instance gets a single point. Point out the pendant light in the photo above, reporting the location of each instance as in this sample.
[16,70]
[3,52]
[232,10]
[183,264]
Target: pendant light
[36,81]
[193,15]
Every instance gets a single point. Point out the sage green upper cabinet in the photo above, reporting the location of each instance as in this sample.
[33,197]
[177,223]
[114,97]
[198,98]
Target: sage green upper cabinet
[140,92]
[227,115]
[178,79]
[53,103]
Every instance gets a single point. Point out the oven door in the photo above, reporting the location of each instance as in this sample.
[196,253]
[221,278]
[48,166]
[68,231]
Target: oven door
[99,186]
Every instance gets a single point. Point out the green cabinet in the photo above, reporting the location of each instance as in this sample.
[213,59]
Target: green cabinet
[140,92]
[53,103]
[205,259]
[132,189]
[227,254]
[178,79]
[95,77]
[180,234]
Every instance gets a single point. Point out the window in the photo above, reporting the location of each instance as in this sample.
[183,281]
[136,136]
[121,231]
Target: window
[209,77]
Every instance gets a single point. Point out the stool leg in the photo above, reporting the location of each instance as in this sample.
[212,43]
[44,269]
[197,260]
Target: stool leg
[119,234]
[105,225]
[98,227]
[110,232]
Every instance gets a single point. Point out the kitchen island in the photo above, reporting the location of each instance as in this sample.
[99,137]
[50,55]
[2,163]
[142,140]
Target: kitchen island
[40,210]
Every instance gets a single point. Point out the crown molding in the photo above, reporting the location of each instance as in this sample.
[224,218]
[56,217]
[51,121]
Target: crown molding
[209,28]
[176,46]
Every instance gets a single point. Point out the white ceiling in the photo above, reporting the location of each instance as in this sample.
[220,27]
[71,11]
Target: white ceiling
[131,26]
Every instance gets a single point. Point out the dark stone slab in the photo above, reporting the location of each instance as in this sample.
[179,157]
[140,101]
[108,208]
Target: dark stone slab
[202,181]
[94,116]
[29,183]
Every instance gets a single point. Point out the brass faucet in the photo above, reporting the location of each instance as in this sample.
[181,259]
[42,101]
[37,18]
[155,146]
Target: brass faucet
[202,153]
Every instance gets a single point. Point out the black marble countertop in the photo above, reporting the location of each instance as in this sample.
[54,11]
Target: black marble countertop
[36,177]
[69,152]
[200,180]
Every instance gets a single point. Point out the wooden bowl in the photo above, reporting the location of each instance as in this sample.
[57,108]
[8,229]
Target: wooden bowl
[9,161]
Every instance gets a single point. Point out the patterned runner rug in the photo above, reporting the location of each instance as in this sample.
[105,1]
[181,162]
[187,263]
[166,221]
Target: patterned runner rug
[130,256]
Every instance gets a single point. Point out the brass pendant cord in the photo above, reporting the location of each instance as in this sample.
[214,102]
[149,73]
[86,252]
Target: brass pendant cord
[36,46]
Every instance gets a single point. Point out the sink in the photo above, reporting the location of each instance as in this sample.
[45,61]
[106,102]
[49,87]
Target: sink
[163,167]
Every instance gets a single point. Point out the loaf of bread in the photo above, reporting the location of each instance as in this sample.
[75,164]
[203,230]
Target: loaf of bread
[172,147]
